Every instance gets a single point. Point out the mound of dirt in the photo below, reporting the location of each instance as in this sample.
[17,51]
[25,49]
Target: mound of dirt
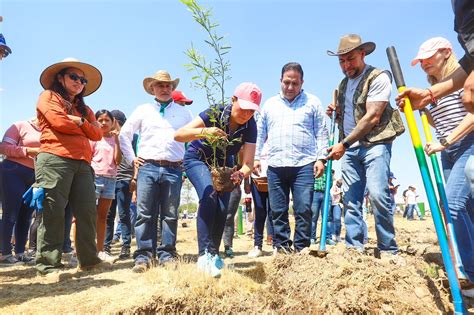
[344,281]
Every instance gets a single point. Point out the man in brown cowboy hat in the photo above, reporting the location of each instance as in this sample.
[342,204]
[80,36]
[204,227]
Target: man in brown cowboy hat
[367,127]
[159,175]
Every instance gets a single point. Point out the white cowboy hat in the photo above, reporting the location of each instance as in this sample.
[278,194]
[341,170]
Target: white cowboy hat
[159,76]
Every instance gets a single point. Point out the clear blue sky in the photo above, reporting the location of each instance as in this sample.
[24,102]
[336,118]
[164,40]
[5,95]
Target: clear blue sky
[129,40]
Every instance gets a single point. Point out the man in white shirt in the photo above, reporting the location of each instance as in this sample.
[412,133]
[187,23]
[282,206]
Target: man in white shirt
[412,204]
[159,174]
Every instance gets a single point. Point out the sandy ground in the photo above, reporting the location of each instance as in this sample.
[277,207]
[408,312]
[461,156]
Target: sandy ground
[342,282]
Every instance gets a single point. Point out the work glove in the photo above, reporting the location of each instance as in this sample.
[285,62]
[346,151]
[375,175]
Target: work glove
[34,198]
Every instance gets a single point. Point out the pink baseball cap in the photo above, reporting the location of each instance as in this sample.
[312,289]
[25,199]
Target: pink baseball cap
[249,95]
[430,47]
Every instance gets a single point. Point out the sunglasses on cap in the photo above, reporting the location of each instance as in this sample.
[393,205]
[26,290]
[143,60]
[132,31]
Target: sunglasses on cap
[75,77]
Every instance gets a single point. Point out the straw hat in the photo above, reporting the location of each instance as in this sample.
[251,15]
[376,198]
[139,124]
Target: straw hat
[350,42]
[91,73]
[159,76]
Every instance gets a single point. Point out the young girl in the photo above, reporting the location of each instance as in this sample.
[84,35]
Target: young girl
[106,156]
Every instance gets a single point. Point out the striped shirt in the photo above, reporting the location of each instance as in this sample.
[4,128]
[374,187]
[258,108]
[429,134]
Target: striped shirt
[296,132]
[448,113]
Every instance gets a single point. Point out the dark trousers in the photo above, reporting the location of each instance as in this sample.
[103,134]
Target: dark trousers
[262,212]
[16,218]
[122,201]
[234,201]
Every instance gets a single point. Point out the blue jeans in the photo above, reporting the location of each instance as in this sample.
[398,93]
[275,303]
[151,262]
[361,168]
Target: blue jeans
[158,190]
[458,192]
[133,221]
[300,181]
[470,173]
[104,187]
[369,166]
[316,207]
[212,208]
[365,228]
[334,220]
[123,198]
[411,208]
[16,179]
[262,211]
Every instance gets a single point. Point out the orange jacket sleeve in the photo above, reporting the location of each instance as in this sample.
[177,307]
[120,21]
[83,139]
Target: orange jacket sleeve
[49,105]
[91,130]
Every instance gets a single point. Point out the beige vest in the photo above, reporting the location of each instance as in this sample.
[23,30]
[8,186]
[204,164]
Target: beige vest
[390,125]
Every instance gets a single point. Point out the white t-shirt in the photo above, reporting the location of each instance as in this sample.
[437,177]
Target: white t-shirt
[411,197]
[379,91]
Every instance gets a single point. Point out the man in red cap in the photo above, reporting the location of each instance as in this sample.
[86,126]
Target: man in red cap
[180,98]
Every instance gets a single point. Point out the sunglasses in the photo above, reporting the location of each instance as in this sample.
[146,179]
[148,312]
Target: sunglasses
[75,77]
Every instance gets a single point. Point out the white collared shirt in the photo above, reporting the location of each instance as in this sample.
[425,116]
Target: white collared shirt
[156,132]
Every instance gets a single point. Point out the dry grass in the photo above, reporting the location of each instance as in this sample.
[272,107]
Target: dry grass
[342,282]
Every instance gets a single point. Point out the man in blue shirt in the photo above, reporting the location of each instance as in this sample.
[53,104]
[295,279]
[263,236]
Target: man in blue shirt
[294,126]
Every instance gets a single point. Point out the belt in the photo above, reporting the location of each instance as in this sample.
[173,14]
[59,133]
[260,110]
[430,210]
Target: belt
[165,163]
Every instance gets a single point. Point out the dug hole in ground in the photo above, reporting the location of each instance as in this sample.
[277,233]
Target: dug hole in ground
[342,282]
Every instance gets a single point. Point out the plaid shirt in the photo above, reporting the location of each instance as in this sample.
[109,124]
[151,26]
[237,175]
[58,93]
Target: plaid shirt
[296,132]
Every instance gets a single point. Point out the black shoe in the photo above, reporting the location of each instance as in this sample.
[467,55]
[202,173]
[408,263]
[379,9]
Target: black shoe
[124,253]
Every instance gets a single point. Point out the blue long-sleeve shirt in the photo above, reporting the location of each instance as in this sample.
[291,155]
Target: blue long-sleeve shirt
[296,132]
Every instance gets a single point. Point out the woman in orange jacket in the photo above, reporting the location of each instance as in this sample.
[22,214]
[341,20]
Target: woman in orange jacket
[63,167]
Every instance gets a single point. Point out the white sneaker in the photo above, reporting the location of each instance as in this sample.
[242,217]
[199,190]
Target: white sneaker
[203,262]
[275,252]
[217,264]
[210,264]
[104,256]
[256,252]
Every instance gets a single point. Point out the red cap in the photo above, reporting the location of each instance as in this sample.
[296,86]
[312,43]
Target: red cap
[179,96]
[249,95]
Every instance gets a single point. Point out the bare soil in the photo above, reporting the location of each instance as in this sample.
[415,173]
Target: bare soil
[345,281]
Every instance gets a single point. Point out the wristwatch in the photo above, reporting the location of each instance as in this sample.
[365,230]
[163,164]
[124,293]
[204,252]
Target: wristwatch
[346,144]
[444,142]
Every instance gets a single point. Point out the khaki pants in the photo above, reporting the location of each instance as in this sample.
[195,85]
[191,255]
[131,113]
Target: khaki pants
[65,180]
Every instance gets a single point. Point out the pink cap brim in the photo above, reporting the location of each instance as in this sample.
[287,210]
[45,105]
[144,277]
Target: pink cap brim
[423,55]
[248,105]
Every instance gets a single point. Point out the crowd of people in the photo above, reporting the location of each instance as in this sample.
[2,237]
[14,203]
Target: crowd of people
[84,167]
